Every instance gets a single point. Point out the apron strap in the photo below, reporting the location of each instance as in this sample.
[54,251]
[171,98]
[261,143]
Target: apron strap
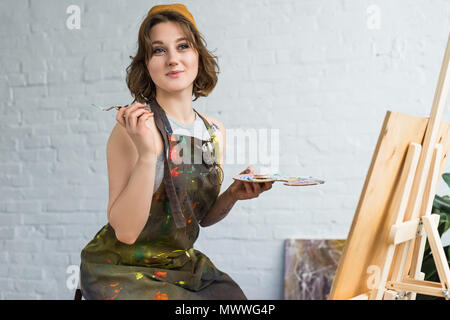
[214,138]
[161,123]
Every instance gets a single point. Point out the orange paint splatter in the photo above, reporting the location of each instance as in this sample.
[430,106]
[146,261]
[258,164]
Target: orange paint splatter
[174,172]
[195,204]
[161,274]
[161,296]
[109,260]
[183,196]
[116,291]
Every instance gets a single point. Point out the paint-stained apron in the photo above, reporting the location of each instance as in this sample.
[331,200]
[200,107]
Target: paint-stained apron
[162,264]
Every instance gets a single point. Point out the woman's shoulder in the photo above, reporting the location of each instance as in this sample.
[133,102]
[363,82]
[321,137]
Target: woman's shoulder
[214,122]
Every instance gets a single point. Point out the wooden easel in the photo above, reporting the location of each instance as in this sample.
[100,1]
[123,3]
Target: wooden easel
[383,255]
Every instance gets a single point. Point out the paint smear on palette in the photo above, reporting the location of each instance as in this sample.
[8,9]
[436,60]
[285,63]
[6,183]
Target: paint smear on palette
[304,182]
[139,275]
[289,180]
[253,178]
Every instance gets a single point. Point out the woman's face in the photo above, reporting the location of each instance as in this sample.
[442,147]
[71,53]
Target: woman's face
[171,52]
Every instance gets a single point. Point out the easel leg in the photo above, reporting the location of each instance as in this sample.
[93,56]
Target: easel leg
[403,248]
[430,190]
[438,251]
[399,266]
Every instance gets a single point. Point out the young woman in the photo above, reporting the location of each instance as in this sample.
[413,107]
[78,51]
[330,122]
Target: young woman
[157,202]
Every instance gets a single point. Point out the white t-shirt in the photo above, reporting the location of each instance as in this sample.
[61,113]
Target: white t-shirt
[196,129]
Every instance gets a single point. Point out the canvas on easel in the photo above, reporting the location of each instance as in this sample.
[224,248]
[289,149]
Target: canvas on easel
[384,248]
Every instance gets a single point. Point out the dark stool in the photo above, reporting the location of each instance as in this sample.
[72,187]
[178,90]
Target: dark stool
[78,293]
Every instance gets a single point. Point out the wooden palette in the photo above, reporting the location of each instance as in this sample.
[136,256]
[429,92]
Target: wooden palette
[289,181]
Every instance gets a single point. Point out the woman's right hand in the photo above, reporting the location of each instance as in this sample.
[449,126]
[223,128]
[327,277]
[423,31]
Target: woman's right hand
[138,120]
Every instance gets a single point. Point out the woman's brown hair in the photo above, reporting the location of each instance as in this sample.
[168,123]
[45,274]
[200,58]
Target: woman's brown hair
[138,79]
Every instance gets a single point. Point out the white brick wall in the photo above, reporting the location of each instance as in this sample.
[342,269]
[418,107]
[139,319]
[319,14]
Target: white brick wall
[311,68]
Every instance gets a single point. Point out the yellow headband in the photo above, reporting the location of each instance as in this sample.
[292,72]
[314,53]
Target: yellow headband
[176,7]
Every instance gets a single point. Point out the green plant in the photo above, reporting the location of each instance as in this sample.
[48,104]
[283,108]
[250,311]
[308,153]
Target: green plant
[441,206]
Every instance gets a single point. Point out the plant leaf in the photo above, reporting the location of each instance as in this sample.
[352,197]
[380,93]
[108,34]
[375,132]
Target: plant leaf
[441,203]
[446,177]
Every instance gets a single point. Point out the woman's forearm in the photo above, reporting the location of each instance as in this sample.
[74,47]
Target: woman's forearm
[219,210]
[129,213]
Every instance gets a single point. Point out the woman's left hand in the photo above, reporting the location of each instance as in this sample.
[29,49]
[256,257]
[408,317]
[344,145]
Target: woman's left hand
[241,190]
